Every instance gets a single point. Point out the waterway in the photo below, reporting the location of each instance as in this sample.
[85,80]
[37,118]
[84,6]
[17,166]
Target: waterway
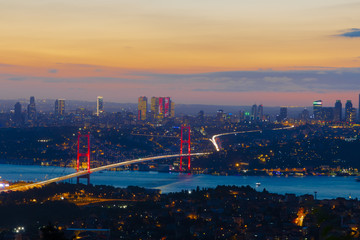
[326,187]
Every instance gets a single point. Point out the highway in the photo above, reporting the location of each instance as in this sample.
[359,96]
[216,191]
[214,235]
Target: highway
[81,173]
[216,145]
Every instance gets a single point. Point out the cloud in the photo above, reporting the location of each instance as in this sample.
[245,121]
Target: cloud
[351,33]
[277,79]
[6,65]
[310,79]
[16,79]
[52,70]
[291,81]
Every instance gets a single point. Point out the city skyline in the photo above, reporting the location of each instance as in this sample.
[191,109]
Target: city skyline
[197,52]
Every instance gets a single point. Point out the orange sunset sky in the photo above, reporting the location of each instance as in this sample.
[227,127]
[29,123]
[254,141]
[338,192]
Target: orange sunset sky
[227,52]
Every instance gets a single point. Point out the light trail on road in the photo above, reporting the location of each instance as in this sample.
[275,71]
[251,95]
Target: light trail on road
[213,139]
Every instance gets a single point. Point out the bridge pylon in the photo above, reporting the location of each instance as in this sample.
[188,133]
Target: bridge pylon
[185,139]
[83,154]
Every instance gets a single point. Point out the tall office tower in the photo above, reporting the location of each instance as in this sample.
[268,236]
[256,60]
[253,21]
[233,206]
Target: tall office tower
[327,114]
[154,107]
[253,112]
[99,105]
[348,110]
[142,108]
[18,113]
[305,115]
[283,113]
[167,107]
[220,115]
[338,111]
[241,116]
[317,107]
[32,109]
[260,113]
[172,110]
[59,107]
[162,107]
[353,115]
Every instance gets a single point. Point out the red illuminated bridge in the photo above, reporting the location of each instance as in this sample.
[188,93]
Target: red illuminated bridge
[98,169]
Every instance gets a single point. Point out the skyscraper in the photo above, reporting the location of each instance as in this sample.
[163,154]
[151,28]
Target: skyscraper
[260,113]
[18,114]
[31,110]
[253,112]
[283,113]
[59,107]
[327,114]
[172,110]
[99,105]
[353,115]
[162,107]
[359,108]
[305,115]
[142,108]
[348,111]
[317,107]
[338,111]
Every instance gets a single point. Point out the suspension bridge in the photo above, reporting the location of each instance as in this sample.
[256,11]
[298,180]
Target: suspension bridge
[185,132]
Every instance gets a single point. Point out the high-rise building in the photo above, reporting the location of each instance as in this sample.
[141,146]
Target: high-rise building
[172,110]
[353,115]
[317,109]
[327,114]
[283,113]
[31,111]
[260,113]
[348,111]
[338,111]
[154,107]
[305,115]
[359,108]
[59,107]
[99,105]
[162,107]
[142,108]
[18,113]
[253,112]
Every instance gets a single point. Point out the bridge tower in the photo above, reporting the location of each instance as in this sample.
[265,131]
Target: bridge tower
[185,139]
[83,154]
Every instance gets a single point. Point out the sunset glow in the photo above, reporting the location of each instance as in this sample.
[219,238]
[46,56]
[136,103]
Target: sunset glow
[124,49]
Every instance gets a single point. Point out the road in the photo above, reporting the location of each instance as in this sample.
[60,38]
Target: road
[213,139]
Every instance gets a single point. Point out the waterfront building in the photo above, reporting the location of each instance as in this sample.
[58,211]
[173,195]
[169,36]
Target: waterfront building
[99,105]
[59,107]
[338,111]
[142,108]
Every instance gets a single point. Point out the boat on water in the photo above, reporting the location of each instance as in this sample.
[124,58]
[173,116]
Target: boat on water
[357,179]
[258,184]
